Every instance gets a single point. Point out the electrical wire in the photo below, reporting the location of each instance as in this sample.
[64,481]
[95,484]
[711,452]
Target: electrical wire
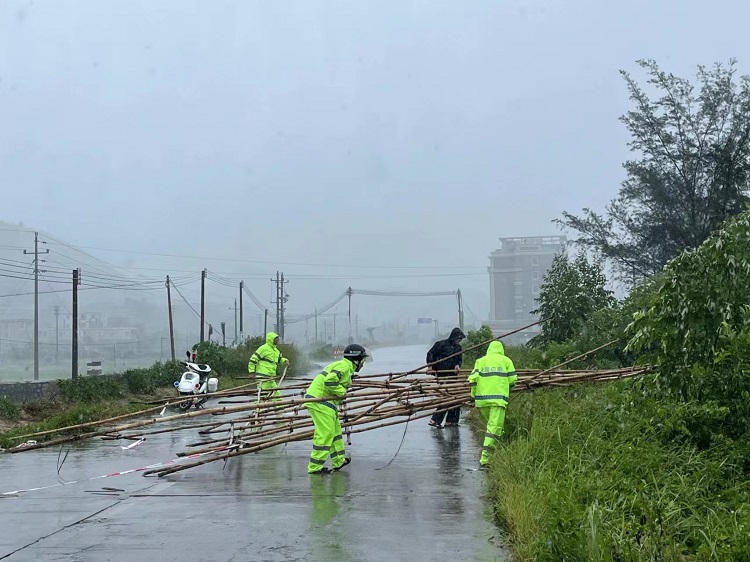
[237,260]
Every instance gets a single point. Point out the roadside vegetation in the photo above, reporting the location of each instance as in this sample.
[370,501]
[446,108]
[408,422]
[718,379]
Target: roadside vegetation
[88,399]
[655,468]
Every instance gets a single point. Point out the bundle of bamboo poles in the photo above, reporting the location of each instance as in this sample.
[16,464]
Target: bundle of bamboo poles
[245,420]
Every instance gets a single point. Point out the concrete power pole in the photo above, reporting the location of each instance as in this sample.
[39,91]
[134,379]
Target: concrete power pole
[242,327]
[57,335]
[281,298]
[277,302]
[74,350]
[171,323]
[284,298]
[36,253]
[203,304]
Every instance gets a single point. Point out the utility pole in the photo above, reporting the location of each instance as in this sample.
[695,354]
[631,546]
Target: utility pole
[460,310]
[284,298]
[74,350]
[57,335]
[265,323]
[224,334]
[277,302]
[203,303]
[281,298]
[349,293]
[316,324]
[171,323]
[236,341]
[36,253]
[242,330]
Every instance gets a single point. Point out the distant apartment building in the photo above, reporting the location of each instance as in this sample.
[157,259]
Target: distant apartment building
[516,271]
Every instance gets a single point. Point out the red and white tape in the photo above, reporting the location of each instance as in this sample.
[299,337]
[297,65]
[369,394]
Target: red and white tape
[110,475]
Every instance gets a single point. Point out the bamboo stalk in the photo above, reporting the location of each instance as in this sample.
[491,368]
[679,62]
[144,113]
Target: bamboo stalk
[91,424]
[367,399]
[252,449]
[581,356]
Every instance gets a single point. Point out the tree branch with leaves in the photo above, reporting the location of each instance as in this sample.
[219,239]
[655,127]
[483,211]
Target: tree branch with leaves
[692,170]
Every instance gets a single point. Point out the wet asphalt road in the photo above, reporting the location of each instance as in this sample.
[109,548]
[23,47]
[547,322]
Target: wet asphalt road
[426,505]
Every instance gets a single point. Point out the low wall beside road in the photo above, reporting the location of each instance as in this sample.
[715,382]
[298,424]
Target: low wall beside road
[23,392]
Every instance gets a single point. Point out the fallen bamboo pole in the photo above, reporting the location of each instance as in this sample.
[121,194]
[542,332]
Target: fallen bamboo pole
[253,449]
[286,428]
[91,424]
[360,392]
[576,358]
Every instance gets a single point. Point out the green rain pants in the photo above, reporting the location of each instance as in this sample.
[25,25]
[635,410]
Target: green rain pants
[267,384]
[495,418]
[327,439]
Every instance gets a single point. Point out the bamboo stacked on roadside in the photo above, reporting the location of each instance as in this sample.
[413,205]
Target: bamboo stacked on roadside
[244,421]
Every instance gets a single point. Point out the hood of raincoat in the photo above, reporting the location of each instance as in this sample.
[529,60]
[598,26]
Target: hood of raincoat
[456,334]
[496,347]
[270,336]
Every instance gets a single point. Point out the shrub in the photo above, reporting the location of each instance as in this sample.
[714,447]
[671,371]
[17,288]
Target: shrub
[698,328]
[8,409]
[90,389]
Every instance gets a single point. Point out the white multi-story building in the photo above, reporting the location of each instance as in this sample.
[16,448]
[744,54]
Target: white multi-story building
[516,270]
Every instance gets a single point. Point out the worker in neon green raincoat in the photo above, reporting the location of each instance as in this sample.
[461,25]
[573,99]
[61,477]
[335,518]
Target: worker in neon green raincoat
[264,364]
[332,382]
[490,382]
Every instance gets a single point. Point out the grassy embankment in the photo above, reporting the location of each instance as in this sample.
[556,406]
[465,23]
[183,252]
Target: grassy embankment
[608,472]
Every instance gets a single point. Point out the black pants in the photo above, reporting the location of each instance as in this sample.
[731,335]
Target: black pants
[453,416]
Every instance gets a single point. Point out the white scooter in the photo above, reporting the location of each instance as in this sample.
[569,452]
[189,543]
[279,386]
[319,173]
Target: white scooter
[195,383]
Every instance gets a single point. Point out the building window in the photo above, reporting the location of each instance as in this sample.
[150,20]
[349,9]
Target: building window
[535,275]
[535,289]
[535,261]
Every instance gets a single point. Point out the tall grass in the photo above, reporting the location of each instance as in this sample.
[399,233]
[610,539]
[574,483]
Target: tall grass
[597,473]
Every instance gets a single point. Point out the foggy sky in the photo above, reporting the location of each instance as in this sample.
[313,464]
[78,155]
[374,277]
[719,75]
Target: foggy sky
[383,133]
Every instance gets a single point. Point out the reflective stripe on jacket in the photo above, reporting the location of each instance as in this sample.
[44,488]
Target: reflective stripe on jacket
[265,361]
[333,382]
[492,377]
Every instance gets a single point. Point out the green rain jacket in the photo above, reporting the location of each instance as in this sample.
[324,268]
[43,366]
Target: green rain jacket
[266,358]
[492,377]
[333,382]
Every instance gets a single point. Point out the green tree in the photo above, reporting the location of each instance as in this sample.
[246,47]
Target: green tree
[691,173]
[699,325]
[475,337]
[571,292]
[611,323]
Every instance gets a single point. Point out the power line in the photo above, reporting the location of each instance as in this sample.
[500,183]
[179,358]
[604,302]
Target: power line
[303,317]
[60,242]
[186,301]
[237,260]
[403,293]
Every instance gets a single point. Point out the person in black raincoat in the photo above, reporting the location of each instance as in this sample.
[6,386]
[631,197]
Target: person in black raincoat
[446,366]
